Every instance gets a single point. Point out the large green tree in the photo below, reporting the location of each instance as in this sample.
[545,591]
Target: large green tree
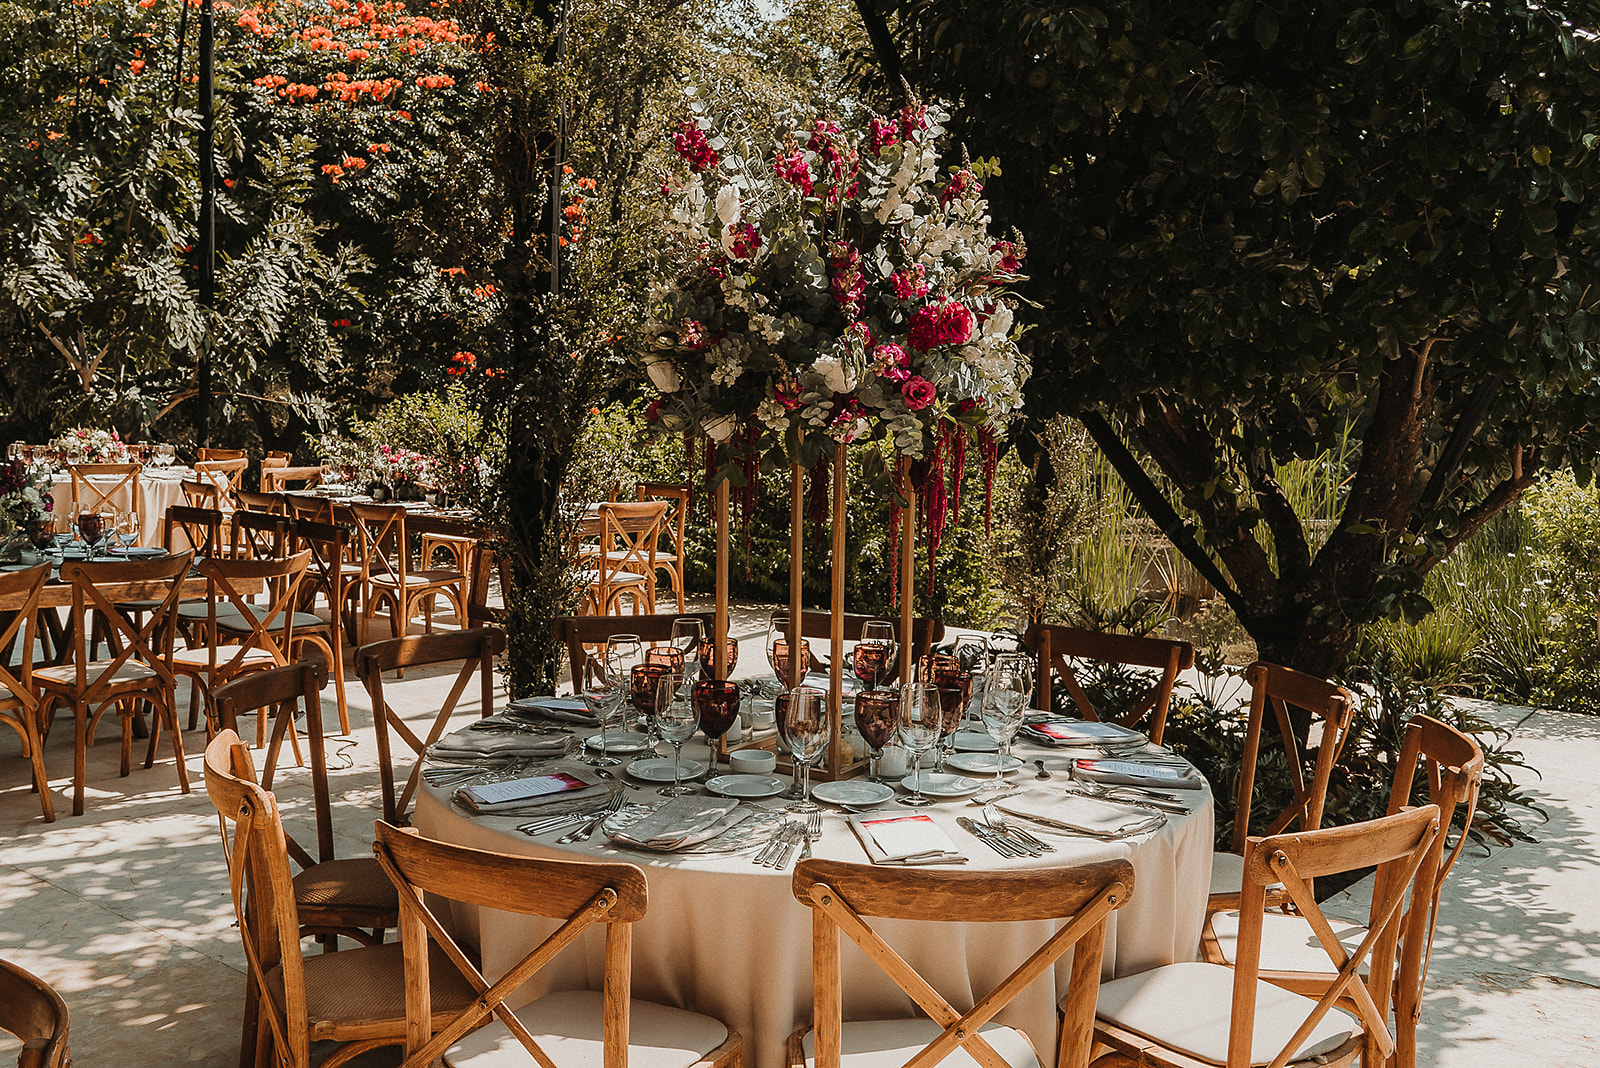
[1250,222]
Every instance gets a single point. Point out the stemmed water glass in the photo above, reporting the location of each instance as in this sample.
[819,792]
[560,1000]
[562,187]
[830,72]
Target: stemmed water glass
[676,721]
[1005,697]
[873,658]
[803,726]
[687,631]
[164,456]
[718,704]
[127,529]
[921,719]
[778,649]
[877,717]
[604,701]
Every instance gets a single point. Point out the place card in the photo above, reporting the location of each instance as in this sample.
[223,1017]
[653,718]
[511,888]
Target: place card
[911,838]
[500,793]
[1137,774]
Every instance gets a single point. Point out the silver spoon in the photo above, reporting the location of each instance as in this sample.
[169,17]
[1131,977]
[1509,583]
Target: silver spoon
[1043,774]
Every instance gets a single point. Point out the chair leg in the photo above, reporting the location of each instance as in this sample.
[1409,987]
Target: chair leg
[41,781]
[80,756]
[170,713]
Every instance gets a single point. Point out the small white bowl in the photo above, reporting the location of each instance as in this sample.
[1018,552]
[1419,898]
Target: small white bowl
[753,761]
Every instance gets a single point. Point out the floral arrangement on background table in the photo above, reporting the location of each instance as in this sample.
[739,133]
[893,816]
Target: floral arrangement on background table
[25,506]
[838,285]
[350,462]
[92,446]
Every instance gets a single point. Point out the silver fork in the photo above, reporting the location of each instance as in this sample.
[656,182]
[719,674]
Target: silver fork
[586,831]
[553,823]
[813,832]
[1005,826]
[768,851]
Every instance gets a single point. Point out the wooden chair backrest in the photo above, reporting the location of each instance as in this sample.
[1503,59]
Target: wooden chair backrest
[90,488]
[259,534]
[842,896]
[19,594]
[268,627]
[262,502]
[328,545]
[475,648]
[201,529]
[149,642]
[1322,705]
[263,891]
[275,479]
[294,686]
[303,506]
[224,473]
[383,549]
[581,631]
[675,523]
[31,1010]
[580,894]
[1401,847]
[205,494]
[1057,646]
[203,455]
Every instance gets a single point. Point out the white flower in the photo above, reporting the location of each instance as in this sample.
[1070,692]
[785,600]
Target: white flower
[998,324]
[773,414]
[663,375]
[728,209]
[721,428]
[833,373]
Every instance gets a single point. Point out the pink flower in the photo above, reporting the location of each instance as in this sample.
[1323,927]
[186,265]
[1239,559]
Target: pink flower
[849,285]
[891,355]
[910,284]
[917,391]
[961,182]
[882,134]
[896,374]
[747,242]
[793,169]
[690,142]
[787,394]
[949,323]
[860,334]
[1010,258]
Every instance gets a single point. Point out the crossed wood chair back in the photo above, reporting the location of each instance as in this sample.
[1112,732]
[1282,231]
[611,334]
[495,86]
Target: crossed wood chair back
[33,1012]
[1402,848]
[280,1019]
[141,668]
[1058,646]
[387,576]
[255,501]
[674,528]
[220,454]
[348,898]
[625,561]
[475,649]
[114,486]
[205,494]
[262,535]
[225,474]
[328,577]
[581,633]
[925,632]
[19,704]
[843,896]
[278,479]
[581,895]
[189,527]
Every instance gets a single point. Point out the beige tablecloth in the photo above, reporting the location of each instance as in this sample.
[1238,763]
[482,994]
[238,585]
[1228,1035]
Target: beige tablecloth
[161,488]
[727,938]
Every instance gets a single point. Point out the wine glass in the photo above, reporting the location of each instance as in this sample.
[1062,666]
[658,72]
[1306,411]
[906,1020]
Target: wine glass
[625,650]
[91,527]
[1005,697]
[877,717]
[14,450]
[164,455]
[955,690]
[778,649]
[686,634]
[921,718]
[676,721]
[718,704]
[873,658]
[803,726]
[604,701]
[127,529]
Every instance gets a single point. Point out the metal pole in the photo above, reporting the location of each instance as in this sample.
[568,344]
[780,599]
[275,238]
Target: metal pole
[208,215]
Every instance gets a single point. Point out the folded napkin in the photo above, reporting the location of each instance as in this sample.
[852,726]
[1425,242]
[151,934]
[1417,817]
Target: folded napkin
[682,822]
[576,783]
[1083,815]
[558,709]
[1082,732]
[905,838]
[136,552]
[468,744]
[1133,773]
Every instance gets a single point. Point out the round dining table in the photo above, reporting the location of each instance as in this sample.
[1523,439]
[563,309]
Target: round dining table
[726,937]
[161,487]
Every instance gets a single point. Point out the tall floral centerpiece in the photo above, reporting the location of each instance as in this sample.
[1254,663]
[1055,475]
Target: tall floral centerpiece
[25,505]
[94,446]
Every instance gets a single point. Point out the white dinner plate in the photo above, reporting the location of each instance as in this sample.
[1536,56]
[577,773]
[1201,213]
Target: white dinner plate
[623,742]
[659,769]
[754,787]
[975,742]
[983,763]
[942,784]
[856,793]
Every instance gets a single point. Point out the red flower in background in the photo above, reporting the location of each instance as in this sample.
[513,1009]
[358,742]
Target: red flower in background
[949,323]
[690,142]
[917,391]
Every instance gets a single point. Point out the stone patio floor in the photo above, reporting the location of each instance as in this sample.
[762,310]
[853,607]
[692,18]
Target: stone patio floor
[126,908]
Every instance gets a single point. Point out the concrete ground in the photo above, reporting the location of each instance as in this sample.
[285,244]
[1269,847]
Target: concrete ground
[126,909]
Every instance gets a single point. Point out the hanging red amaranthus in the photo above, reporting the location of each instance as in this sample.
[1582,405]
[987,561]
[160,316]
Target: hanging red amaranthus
[989,450]
[934,504]
[817,499]
[958,470]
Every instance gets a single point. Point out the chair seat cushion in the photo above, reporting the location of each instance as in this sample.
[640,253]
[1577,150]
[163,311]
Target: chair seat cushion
[230,618]
[228,656]
[365,987]
[618,578]
[1188,1007]
[355,882]
[438,577]
[67,674]
[1287,942]
[891,1043]
[568,1026]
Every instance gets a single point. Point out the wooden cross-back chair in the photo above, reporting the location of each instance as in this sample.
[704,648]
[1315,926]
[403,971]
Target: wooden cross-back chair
[925,633]
[305,506]
[604,1027]
[583,633]
[236,635]
[351,897]
[623,560]
[1450,764]
[205,494]
[224,473]
[1057,647]
[844,896]
[475,649]
[204,455]
[328,578]
[183,527]
[1304,708]
[254,501]
[139,672]
[354,997]
[674,526]
[388,578]
[35,1014]
[260,535]
[278,479]
[108,486]
[1173,1015]
[19,704]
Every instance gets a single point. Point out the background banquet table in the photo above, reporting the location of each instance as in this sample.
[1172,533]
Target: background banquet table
[162,488]
[726,937]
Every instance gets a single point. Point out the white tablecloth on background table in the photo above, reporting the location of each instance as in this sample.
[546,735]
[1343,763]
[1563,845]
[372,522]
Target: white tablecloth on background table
[162,488]
[727,938]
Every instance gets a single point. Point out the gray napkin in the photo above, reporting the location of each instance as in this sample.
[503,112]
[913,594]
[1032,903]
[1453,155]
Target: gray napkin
[682,822]
[473,745]
[905,838]
[556,709]
[591,788]
[1079,814]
